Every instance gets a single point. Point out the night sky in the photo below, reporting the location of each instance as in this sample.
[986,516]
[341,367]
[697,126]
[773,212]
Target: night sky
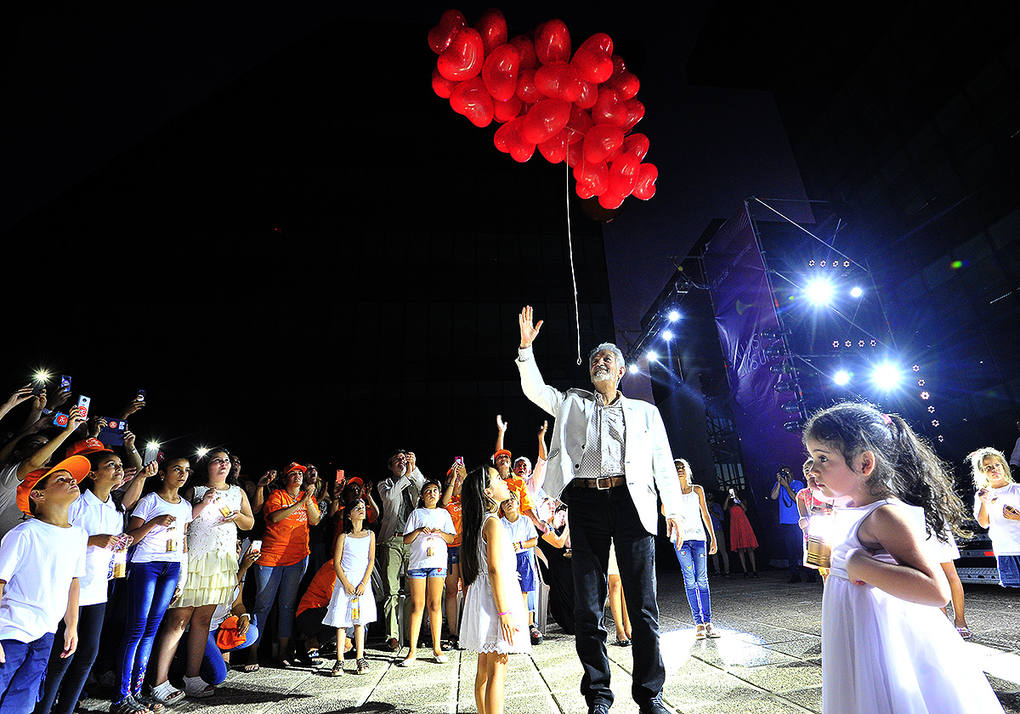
[201,201]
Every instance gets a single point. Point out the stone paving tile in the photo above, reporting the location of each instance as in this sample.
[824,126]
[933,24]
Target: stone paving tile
[781,677]
[807,648]
[810,698]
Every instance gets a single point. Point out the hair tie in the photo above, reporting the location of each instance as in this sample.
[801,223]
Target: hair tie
[887,419]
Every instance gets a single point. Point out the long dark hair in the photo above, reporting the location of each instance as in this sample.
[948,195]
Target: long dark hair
[231,480]
[474,505]
[156,482]
[905,464]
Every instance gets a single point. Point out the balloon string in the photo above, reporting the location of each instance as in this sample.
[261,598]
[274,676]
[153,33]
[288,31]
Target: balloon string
[573,274]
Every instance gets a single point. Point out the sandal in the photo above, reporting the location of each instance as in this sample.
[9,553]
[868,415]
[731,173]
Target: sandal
[247,668]
[710,631]
[166,693]
[699,633]
[198,688]
[150,704]
[965,632]
[362,666]
[338,669]
[129,705]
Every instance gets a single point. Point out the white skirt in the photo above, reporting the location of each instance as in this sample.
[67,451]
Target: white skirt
[341,610]
[479,624]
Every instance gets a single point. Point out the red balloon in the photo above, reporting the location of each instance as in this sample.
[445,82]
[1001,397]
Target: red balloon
[526,48]
[503,137]
[623,174]
[471,100]
[521,152]
[626,84]
[609,109]
[499,72]
[558,80]
[508,140]
[492,27]
[505,111]
[544,120]
[610,201]
[635,112]
[527,92]
[583,190]
[589,95]
[441,86]
[599,41]
[644,188]
[575,155]
[594,176]
[601,141]
[552,42]
[442,34]
[636,144]
[577,125]
[555,149]
[463,58]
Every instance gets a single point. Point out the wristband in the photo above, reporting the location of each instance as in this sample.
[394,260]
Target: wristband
[500,614]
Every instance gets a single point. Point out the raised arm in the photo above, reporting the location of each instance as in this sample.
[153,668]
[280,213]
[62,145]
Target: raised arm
[534,387]
[38,460]
[500,431]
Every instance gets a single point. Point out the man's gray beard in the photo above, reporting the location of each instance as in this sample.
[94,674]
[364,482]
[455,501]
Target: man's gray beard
[602,377]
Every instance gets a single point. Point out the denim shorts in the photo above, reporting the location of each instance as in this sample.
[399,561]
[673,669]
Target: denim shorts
[427,573]
[452,556]
[1009,570]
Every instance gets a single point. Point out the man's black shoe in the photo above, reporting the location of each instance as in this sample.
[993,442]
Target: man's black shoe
[654,706]
[599,708]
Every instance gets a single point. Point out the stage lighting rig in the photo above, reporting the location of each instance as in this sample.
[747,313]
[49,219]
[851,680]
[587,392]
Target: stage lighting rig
[841,378]
[886,376]
[820,291]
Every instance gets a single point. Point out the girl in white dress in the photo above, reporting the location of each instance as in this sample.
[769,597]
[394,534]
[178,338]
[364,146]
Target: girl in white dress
[352,604]
[495,621]
[886,646]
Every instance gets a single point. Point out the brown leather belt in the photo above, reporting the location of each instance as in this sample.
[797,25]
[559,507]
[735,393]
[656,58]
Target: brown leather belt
[602,483]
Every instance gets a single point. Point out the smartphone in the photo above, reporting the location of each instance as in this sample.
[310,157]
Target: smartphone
[339,477]
[113,433]
[256,546]
[140,396]
[151,454]
[60,419]
[65,383]
[37,389]
[458,460]
[83,405]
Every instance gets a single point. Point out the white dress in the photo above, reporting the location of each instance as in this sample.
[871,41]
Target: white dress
[212,552]
[479,623]
[884,655]
[341,610]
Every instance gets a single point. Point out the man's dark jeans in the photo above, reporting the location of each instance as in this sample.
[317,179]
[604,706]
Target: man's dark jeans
[596,518]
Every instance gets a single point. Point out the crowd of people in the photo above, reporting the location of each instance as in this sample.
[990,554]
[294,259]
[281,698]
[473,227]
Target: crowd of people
[95,537]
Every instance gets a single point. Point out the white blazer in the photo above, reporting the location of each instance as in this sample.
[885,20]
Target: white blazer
[648,463]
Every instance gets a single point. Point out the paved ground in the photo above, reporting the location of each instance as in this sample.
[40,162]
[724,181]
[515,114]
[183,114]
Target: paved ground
[768,661]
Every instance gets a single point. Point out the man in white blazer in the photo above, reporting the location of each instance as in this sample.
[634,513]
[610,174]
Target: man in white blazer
[609,460]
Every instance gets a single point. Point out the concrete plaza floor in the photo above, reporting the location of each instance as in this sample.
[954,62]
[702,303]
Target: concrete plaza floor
[767,661]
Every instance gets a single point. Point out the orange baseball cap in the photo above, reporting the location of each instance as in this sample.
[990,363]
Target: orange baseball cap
[500,453]
[295,466]
[77,466]
[86,447]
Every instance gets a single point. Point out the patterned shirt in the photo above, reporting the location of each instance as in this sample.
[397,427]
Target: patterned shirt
[604,448]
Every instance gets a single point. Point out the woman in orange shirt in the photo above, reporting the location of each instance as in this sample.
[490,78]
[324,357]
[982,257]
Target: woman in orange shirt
[288,512]
[451,502]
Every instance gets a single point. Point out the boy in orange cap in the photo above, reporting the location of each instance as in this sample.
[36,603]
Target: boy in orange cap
[40,563]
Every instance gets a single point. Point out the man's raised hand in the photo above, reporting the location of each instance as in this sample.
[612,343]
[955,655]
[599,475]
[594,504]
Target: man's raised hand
[529,330]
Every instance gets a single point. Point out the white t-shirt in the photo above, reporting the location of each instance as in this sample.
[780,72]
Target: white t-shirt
[38,561]
[520,530]
[1005,534]
[153,547]
[96,518]
[10,514]
[437,519]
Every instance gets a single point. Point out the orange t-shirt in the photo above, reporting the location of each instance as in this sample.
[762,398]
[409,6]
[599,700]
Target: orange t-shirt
[320,590]
[285,542]
[453,508]
[518,486]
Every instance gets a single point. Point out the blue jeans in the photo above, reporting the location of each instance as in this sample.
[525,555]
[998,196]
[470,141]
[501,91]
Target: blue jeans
[149,589]
[693,557]
[282,579]
[23,672]
[213,669]
[66,677]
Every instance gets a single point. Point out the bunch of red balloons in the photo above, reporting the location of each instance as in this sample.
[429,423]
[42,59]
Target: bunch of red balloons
[579,109]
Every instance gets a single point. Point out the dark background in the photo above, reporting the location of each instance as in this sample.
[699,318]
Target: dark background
[263,215]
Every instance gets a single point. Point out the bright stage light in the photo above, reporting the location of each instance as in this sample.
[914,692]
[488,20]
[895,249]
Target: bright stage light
[651,356]
[819,291]
[856,291]
[841,378]
[673,315]
[886,376]
[667,335]
[633,369]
